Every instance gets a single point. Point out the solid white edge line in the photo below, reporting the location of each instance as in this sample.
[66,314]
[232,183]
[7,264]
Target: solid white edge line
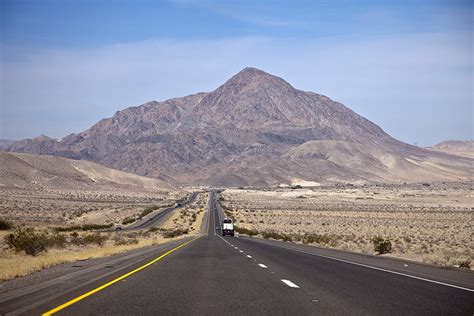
[290,284]
[261,265]
[374,268]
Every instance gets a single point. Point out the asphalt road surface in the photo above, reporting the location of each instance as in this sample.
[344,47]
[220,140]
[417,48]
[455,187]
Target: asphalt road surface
[245,276]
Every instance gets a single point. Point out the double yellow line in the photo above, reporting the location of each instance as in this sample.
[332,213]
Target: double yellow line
[100,288]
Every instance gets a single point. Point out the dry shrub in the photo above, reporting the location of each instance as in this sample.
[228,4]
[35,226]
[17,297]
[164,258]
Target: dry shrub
[120,240]
[148,210]
[57,240]
[94,238]
[154,229]
[28,240]
[317,238]
[82,227]
[171,233]
[466,264]
[381,245]
[249,232]
[128,220]
[5,225]
[275,235]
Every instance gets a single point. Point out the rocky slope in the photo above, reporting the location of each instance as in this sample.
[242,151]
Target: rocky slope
[256,129]
[4,143]
[54,173]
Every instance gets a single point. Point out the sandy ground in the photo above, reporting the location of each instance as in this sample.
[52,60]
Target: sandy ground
[50,208]
[433,224]
[189,217]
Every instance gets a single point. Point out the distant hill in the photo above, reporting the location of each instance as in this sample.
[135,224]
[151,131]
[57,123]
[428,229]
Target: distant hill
[54,173]
[456,147]
[257,130]
[4,143]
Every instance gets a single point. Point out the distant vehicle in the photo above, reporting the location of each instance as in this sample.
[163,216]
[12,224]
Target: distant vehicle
[118,228]
[177,205]
[228,227]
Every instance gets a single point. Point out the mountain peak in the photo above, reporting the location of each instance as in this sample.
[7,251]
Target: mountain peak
[250,71]
[254,77]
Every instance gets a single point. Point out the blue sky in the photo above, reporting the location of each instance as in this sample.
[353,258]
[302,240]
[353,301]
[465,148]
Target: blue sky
[406,65]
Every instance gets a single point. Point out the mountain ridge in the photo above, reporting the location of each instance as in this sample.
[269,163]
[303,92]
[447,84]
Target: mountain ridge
[244,130]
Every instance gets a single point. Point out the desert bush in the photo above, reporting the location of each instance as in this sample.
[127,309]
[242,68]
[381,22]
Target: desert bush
[249,232]
[297,238]
[84,227]
[96,226]
[95,238]
[148,210]
[57,240]
[381,245]
[76,239]
[171,233]
[275,235]
[28,240]
[466,264]
[317,238]
[120,240]
[128,220]
[5,225]
[154,229]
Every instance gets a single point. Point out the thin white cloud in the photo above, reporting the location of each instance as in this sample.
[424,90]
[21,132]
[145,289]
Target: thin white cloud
[400,83]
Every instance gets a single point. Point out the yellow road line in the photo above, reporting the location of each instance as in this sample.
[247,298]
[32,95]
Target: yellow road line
[100,288]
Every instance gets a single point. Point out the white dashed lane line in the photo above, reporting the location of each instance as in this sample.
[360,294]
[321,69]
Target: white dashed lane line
[290,284]
[261,265]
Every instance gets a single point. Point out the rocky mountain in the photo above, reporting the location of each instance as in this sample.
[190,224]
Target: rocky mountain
[255,129]
[29,171]
[4,143]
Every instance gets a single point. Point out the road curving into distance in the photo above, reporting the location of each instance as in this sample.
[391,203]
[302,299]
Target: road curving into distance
[157,218]
[236,275]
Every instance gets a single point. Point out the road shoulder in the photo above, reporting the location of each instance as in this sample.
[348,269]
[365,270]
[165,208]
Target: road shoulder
[452,276]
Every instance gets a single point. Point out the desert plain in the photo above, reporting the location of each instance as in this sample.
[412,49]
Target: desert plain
[431,223]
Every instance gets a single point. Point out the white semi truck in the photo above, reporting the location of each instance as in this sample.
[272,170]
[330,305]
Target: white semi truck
[227,227]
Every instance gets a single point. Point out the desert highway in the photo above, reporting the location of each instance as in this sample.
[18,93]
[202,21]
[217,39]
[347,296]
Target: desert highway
[245,276]
[156,218]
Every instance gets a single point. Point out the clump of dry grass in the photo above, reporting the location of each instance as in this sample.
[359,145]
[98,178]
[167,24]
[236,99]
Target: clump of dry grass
[14,265]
